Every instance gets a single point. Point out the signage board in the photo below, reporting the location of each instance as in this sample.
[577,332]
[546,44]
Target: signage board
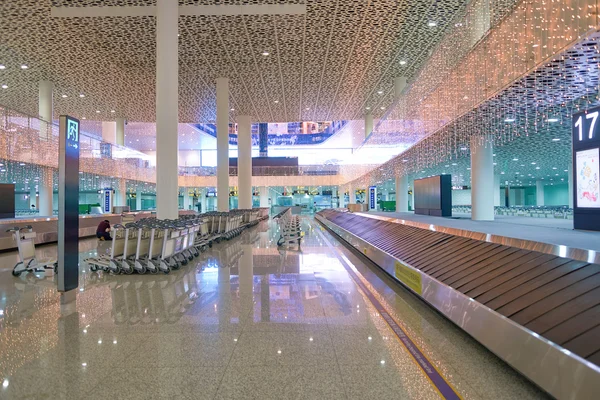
[372,197]
[107,196]
[586,169]
[263,139]
[68,204]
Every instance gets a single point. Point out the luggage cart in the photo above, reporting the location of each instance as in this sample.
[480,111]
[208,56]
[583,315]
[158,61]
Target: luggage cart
[25,238]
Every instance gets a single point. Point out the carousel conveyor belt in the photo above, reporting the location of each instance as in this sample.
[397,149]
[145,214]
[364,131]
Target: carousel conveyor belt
[538,312]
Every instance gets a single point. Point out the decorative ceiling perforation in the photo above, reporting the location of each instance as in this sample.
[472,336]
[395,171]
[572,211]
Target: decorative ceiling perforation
[327,64]
[529,124]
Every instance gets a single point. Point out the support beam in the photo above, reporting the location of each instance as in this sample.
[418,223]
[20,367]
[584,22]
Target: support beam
[368,124]
[222,144]
[402,193]
[45,109]
[167,109]
[245,161]
[539,193]
[482,180]
[120,131]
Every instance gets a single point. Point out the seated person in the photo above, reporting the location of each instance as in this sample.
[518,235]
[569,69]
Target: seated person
[102,232]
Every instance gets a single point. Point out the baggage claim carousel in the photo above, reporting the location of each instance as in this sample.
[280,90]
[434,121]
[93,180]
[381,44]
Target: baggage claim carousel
[537,311]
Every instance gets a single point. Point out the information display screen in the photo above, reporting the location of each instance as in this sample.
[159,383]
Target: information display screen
[587,173]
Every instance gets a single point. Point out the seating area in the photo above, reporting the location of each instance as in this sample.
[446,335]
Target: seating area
[558,212]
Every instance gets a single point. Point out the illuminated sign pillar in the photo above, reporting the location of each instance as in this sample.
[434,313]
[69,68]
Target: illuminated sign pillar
[68,204]
[585,170]
[373,198]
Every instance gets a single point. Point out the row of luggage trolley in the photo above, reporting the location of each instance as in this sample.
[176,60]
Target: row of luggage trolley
[151,245]
[290,231]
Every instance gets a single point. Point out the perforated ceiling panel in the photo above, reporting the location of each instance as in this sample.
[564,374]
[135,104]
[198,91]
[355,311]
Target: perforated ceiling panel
[328,64]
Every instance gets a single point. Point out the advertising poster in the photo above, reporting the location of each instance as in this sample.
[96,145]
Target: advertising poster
[587,173]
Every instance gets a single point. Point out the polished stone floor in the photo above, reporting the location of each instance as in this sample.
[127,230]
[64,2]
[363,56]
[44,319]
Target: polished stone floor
[244,321]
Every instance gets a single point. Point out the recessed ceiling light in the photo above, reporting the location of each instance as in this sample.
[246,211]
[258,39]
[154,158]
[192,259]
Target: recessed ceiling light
[307,108]
[458,24]
[97,111]
[536,45]
[2,66]
[380,92]
[4,86]
[432,24]
[509,120]
[515,159]
[552,119]
[112,111]
[402,62]
[556,140]
[367,108]
[233,109]
[265,53]
[532,163]
[64,96]
[537,167]
[383,108]
[81,95]
[24,66]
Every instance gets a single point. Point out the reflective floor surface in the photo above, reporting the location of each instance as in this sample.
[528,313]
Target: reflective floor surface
[245,320]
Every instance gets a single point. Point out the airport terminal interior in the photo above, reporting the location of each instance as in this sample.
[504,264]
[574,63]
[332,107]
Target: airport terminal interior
[303,199]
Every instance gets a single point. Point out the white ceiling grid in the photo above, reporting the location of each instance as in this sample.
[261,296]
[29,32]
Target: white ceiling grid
[327,64]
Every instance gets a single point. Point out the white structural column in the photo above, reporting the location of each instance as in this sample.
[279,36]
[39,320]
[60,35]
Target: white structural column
[342,197]
[482,180]
[187,199]
[120,131]
[121,193]
[264,196]
[352,195]
[570,183]
[497,200]
[167,108]
[399,86]
[46,189]
[45,109]
[138,199]
[402,193]
[244,161]
[368,124]
[109,132]
[222,144]
[539,193]
[202,200]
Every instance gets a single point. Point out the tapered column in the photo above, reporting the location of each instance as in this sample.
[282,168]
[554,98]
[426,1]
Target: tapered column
[138,199]
[264,196]
[187,200]
[222,144]
[352,195]
[342,197]
[121,193]
[45,109]
[368,124]
[167,108]
[46,189]
[244,162]
[539,193]
[482,180]
[109,132]
[402,193]
[120,131]
[497,197]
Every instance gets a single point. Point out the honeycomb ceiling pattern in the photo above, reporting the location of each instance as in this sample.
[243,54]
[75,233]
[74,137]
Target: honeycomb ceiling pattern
[329,64]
